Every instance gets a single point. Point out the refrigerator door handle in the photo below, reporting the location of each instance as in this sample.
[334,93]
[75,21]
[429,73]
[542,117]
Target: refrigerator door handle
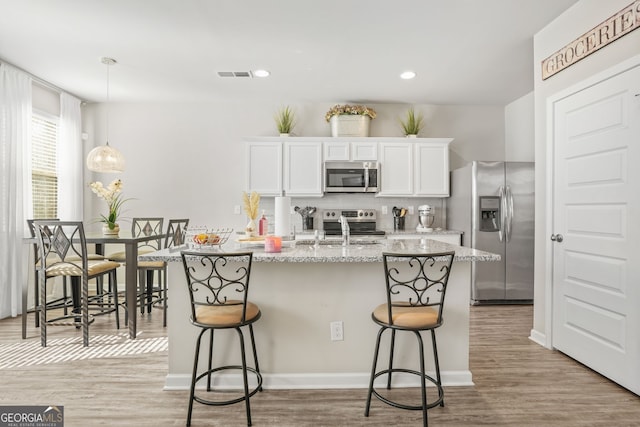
[502,214]
[509,214]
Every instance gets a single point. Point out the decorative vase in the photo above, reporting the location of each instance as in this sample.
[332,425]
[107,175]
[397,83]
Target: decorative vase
[110,231]
[250,229]
[412,135]
[284,135]
[350,125]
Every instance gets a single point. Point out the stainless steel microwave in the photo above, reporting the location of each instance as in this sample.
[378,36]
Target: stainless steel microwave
[351,177]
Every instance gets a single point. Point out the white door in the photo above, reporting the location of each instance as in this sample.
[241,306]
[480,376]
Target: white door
[596,266]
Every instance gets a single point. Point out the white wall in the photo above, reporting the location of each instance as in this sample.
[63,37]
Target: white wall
[519,135]
[187,160]
[583,16]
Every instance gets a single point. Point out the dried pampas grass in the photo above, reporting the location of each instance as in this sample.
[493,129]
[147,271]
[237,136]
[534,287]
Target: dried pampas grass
[251,204]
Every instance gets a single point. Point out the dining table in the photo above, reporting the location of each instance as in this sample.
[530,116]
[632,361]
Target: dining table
[130,243]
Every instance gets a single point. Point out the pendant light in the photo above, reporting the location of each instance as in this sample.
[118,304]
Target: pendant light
[105,158]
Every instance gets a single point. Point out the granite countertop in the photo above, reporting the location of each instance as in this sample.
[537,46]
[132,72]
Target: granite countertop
[324,253]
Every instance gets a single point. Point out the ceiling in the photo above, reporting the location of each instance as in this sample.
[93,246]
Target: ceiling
[463,51]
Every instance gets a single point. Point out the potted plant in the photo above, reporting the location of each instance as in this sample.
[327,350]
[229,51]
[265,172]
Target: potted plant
[350,120]
[285,120]
[413,123]
[113,196]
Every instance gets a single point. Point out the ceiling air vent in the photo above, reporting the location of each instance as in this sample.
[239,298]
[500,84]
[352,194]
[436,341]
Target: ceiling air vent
[234,74]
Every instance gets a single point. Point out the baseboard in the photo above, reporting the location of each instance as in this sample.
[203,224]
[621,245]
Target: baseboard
[319,381]
[538,338]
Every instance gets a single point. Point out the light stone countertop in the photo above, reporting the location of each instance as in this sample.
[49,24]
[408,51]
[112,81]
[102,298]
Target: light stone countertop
[327,253]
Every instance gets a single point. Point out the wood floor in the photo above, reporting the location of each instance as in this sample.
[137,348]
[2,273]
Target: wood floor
[517,383]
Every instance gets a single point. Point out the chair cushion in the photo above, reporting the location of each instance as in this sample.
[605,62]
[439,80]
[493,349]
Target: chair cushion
[95,267]
[407,316]
[121,256]
[51,258]
[152,264]
[229,314]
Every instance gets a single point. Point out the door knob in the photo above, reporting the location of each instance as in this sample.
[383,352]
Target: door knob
[557,238]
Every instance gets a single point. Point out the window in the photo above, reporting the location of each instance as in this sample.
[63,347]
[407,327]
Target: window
[44,187]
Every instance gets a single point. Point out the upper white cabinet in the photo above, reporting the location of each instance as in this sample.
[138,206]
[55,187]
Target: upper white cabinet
[431,168]
[416,168]
[396,168]
[264,168]
[350,151]
[409,167]
[303,169]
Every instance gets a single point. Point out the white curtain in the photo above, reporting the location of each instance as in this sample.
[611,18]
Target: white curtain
[70,160]
[15,141]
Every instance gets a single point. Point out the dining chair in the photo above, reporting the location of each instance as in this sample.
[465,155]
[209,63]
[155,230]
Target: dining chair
[218,286]
[176,231]
[63,253]
[64,301]
[416,285]
[144,226]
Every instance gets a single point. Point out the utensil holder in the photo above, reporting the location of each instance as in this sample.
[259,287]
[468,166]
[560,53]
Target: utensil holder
[398,223]
[307,223]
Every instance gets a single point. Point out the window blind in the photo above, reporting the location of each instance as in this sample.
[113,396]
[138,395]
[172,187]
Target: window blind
[43,162]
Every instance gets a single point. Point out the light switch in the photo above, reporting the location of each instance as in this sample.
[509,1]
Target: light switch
[411,210]
[384,210]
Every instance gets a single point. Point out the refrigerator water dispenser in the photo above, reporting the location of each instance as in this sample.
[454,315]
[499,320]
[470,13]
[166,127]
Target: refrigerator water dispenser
[489,213]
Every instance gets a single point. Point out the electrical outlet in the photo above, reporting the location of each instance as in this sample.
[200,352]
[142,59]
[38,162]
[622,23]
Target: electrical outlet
[236,209]
[384,210]
[411,210]
[337,332]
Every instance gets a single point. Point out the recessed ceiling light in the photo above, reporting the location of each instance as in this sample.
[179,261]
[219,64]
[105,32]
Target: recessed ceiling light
[261,73]
[408,75]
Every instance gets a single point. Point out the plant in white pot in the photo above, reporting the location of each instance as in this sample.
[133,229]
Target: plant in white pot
[412,124]
[350,120]
[285,120]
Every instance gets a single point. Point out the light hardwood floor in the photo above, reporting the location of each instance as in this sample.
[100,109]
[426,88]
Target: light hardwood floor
[517,383]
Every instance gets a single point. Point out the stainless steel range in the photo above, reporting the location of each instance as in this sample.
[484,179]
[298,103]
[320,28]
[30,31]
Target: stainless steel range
[362,222]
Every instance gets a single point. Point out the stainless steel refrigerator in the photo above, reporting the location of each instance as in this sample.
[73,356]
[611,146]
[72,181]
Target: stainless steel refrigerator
[493,204]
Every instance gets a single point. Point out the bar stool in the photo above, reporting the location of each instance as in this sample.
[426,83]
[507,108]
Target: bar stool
[218,286]
[415,285]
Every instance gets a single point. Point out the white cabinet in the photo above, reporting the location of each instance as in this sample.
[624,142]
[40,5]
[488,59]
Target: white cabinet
[417,168]
[303,169]
[264,168]
[350,151]
[396,168]
[431,169]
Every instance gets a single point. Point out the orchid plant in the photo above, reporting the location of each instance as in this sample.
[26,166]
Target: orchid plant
[112,194]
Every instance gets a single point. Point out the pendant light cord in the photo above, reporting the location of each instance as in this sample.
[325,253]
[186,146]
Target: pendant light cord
[108,62]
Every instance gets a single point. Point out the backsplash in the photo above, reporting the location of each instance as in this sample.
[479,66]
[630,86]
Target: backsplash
[360,201]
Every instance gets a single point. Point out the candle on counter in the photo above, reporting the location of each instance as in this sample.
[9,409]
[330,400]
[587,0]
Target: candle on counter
[273,244]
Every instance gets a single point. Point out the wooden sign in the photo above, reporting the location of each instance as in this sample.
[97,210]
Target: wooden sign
[620,24]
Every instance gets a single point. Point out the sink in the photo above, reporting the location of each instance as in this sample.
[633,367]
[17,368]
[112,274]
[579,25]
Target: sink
[337,242]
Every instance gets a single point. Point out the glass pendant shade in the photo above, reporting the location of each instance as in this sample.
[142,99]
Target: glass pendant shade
[106,159]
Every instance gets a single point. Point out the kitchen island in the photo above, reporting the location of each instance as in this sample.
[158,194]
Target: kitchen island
[300,292]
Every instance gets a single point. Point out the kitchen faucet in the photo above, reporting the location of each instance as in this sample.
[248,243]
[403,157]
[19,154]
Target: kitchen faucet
[345,230]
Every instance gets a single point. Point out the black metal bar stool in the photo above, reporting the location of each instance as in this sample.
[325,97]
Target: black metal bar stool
[415,285]
[218,287]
